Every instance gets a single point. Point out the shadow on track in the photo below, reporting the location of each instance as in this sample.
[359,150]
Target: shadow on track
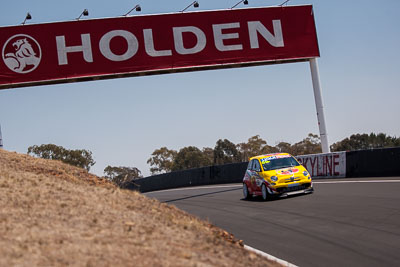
[274,198]
[200,195]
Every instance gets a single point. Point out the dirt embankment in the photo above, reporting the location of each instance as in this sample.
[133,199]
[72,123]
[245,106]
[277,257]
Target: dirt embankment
[53,214]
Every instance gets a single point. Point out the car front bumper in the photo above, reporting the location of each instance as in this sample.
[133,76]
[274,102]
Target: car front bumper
[292,189]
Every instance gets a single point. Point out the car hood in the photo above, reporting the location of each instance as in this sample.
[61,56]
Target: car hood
[296,171]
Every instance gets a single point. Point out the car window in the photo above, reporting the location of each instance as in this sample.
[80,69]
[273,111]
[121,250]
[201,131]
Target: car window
[250,165]
[279,163]
[257,166]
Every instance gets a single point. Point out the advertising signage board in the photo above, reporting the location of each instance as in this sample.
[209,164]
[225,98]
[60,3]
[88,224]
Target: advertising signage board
[152,44]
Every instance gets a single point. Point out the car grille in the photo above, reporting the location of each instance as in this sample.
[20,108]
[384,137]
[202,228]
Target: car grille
[292,179]
[293,188]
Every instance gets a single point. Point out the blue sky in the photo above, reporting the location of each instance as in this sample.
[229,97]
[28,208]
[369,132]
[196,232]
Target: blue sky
[122,121]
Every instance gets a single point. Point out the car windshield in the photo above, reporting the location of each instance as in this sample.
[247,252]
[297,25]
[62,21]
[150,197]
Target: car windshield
[278,163]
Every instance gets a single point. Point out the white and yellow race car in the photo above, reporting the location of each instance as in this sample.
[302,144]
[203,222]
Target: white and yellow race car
[275,174]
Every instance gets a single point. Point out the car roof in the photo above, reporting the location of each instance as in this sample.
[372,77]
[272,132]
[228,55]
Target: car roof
[269,155]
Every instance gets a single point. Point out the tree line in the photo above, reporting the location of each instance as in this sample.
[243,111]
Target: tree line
[224,152]
[164,160]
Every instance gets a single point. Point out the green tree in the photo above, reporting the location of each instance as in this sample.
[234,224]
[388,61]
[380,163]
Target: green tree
[269,149]
[254,146]
[80,157]
[365,141]
[284,147]
[161,160]
[122,175]
[225,152]
[190,157]
[309,145]
[208,153]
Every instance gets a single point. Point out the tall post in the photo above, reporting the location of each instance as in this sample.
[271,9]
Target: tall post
[319,105]
[1,138]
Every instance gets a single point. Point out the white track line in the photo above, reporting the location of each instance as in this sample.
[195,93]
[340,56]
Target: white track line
[240,185]
[270,257]
[196,188]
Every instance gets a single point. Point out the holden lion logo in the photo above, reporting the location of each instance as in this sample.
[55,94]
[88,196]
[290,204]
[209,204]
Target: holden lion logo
[21,53]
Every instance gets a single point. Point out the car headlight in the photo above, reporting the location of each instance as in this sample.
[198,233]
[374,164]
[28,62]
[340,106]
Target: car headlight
[274,178]
[305,173]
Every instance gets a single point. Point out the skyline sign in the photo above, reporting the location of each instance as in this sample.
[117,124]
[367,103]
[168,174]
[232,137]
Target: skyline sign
[153,44]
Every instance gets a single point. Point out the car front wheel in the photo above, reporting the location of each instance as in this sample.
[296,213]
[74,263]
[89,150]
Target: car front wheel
[246,193]
[264,192]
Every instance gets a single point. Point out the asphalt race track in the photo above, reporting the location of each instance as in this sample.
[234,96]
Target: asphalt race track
[347,222]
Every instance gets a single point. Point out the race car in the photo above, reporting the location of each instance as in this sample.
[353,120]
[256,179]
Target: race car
[278,174]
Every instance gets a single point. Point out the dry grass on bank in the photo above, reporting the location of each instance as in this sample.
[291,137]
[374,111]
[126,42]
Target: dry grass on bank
[53,214]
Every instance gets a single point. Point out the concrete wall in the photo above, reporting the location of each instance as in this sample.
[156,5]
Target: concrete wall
[362,163]
[328,165]
[373,162]
[221,174]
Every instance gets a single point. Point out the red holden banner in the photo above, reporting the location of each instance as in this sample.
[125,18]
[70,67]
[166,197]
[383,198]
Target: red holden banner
[327,165]
[150,44]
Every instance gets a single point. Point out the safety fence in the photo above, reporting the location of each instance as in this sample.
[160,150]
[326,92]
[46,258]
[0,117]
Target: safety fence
[362,163]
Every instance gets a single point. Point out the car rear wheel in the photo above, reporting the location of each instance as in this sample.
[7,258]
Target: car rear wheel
[246,193]
[264,192]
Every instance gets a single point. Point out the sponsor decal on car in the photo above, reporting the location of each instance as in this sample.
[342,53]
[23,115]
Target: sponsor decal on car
[288,172]
[265,160]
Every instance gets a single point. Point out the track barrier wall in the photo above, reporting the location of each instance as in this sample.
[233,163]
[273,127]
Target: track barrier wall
[362,163]
[373,163]
[329,165]
[220,174]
